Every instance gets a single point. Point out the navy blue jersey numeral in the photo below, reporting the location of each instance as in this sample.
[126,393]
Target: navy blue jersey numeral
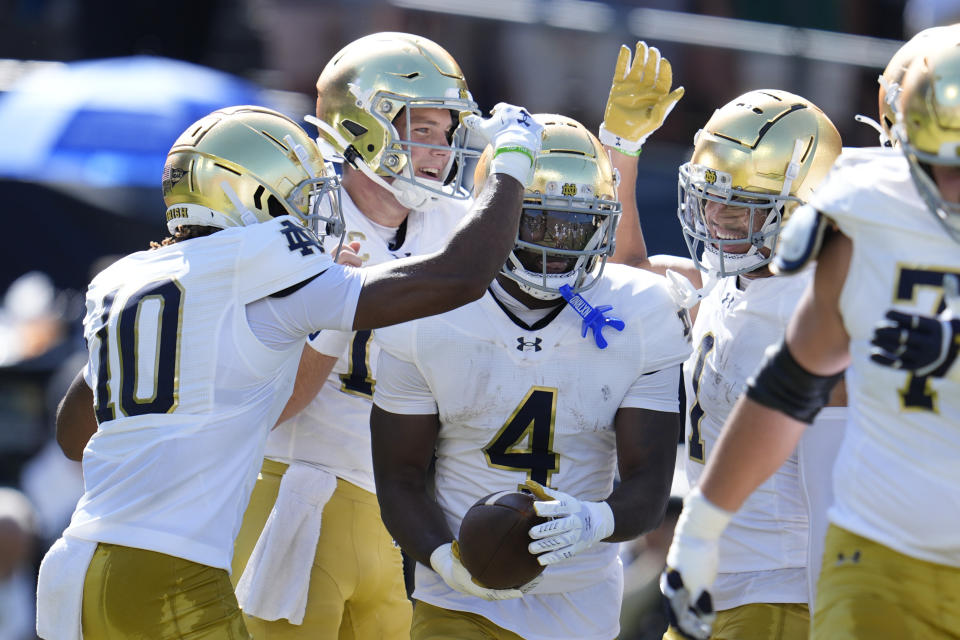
[124,336]
[917,393]
[525,442]
[357,380]
[695,442]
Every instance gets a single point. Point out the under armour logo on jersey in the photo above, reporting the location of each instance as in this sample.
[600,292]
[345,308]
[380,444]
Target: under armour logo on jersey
[300,238]
[523,345]
[727,300]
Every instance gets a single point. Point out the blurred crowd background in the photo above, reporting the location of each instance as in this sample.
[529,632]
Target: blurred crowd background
[93,93]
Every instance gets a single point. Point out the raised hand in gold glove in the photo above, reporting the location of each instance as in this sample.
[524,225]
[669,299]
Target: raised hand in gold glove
[640,98]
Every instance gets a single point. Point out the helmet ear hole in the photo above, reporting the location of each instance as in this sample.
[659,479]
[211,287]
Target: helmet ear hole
[274,208]
[355,128]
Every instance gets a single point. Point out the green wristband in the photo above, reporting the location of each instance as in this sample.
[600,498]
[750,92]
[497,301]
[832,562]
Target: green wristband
[522,150]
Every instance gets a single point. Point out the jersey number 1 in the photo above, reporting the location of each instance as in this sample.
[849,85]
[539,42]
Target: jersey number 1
[695,441]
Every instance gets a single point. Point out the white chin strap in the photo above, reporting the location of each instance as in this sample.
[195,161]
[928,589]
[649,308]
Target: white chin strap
[730,262]
[407,194]
[247,217]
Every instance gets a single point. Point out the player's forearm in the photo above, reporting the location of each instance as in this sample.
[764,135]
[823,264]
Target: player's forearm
[755,441]
[311,375]
[413,518]
[630,246]
[639,504]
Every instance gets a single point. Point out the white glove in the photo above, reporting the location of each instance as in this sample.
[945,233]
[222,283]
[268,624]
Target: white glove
[573,527]
[692,566]
[445,560]
[515,136]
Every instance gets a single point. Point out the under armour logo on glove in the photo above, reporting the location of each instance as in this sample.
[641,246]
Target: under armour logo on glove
[524,118]
[593,319]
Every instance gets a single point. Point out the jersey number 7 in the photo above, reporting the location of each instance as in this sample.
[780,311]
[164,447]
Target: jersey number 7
[916,393]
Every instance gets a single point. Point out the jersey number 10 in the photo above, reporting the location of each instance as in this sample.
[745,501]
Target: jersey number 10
[122,330]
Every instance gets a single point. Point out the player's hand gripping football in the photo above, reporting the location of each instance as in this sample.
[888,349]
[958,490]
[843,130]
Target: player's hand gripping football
[925,345]
[445,560]
[692,566]
[640,98]
[515,136]
[574,526]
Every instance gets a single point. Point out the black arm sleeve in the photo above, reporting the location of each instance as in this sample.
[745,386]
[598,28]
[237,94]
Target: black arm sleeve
[782,384]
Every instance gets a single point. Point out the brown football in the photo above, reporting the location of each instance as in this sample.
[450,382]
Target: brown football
[493,540]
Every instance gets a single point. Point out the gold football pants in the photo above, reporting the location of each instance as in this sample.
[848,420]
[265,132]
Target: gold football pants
[867,590]
[758,621]
[356,585]
[434,623]
[135,594]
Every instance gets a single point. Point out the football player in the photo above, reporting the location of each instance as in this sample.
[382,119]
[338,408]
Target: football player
[928,40]
[892,557]
[516,389]
[193,347]
[390,105]
[753,163]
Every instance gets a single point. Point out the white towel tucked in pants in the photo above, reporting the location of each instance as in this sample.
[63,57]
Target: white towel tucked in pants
[276,580]
[60,588]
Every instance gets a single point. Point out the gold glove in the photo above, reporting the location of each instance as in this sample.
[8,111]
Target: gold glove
[640,98]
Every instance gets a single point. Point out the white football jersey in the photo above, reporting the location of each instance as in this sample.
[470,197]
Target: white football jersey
[518,402]
[897,480]
[764,550]
[184,391]
[333,431]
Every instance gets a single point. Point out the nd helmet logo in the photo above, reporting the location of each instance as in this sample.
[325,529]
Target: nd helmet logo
[710,176]
[569,189]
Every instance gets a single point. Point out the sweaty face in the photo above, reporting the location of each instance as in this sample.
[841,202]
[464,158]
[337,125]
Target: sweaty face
[552,230]
[427,126]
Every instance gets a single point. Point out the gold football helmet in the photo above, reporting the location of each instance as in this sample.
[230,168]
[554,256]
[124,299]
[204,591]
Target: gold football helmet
[243,165]
[928,127]
[927,41]
[570,211]
[756,159]
[372,81]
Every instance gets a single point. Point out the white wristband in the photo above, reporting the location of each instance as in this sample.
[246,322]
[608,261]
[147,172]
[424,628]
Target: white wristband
[628,147]
[516,162]
[702,519]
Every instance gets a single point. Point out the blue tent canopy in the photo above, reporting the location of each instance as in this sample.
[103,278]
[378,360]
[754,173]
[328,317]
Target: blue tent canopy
[108,122]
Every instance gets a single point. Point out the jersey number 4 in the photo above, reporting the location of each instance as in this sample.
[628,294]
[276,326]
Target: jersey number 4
[145,335]
[525,442]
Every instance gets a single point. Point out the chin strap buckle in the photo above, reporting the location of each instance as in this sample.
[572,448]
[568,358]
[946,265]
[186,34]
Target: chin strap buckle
[593,318]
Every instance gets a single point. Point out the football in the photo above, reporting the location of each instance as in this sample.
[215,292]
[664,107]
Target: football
[493,540]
